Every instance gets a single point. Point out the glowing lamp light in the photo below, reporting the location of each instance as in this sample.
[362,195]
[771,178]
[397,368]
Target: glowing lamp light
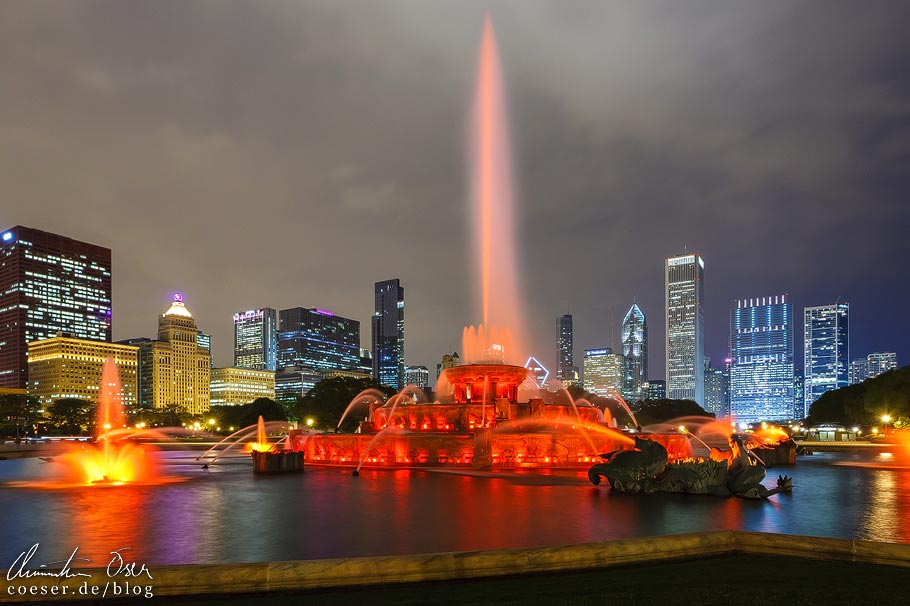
[886,418]
[310,422]
[7,236]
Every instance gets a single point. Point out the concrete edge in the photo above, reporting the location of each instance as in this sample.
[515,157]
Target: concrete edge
[214,579]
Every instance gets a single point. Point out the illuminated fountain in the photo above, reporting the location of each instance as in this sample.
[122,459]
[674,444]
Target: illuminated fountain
[112,459]
[488,413]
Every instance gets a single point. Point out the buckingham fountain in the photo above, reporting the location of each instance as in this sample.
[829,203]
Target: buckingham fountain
[488,413]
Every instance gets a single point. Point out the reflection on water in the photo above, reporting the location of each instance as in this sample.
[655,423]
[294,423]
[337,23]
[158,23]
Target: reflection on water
[226,514]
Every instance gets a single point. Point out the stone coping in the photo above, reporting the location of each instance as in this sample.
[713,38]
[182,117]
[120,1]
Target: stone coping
[215,579]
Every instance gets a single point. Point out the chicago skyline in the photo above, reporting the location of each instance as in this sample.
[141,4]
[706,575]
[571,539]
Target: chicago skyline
[741,165]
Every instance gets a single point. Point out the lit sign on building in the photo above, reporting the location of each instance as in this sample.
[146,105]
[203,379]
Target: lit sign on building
[252,314]
[178,297]
[8,236]
[681,261]
[324,312]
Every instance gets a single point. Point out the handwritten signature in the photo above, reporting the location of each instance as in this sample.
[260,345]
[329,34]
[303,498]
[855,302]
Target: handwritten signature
[117,567]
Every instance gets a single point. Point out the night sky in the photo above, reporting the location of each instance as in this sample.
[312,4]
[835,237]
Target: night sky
[285,154]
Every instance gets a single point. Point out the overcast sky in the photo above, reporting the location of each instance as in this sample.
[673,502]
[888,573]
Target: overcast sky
[284,154]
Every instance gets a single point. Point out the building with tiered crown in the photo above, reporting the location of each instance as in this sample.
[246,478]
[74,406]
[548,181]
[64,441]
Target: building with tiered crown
[174,370]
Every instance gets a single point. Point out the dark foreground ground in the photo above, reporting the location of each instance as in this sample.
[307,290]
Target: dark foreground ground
[725,581]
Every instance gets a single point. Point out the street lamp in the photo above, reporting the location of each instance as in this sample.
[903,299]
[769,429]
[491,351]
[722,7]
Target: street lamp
[310,421]
[212,426]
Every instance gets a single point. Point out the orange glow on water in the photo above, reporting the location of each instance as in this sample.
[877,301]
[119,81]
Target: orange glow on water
[110,460]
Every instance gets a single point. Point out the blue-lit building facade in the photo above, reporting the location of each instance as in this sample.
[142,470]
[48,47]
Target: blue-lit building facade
[827,350]
[388,333]
[49,283]
[634,332]
[256,339]
[318,340]
[761,349]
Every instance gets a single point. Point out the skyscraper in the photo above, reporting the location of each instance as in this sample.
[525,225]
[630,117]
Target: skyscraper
[388,334]
[634,334]
[761,347]
[256,339]
[827,351]
[317,339]
[566,371]
[685,323]
[49,283]
[175,369]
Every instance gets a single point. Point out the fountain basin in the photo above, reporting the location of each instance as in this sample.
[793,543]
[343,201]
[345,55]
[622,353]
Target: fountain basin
[483,448]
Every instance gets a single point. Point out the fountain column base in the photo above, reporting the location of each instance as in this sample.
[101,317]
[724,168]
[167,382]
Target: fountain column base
[483,449]
[277,462]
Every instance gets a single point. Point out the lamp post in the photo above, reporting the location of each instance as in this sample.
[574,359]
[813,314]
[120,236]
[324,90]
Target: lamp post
[212,427]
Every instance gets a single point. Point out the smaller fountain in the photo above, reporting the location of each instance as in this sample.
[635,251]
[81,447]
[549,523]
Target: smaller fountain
[112,459]
[267,458]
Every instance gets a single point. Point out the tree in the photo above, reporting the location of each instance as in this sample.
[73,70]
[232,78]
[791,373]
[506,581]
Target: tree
[649,412]
[71,415]
[327,401]
[866,402]
[17,412]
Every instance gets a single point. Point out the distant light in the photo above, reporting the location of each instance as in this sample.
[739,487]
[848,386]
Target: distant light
[8,236]
[324,312]
[178,297]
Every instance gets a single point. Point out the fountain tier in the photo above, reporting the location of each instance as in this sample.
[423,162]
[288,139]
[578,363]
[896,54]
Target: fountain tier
[479,421]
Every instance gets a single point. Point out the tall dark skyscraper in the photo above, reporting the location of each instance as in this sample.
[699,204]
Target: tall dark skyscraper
[635,353]
[388,334]
[315,339]
[49,283]
[566,371]
[761,347]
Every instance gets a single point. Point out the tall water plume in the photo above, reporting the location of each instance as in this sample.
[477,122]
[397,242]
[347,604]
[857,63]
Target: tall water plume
[499,337]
